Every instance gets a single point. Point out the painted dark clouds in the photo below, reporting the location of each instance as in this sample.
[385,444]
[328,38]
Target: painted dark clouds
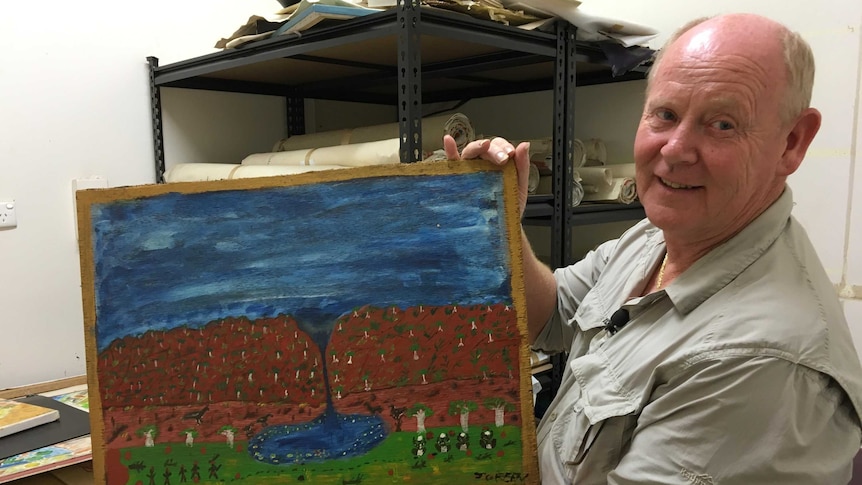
[314,251]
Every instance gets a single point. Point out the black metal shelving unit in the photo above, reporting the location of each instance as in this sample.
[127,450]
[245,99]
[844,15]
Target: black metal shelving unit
[407,56]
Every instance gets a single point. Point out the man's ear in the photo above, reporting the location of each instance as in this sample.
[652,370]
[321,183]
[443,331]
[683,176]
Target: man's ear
[798,139]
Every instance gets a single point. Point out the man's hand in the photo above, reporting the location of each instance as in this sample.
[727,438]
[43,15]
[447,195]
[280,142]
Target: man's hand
[499,151]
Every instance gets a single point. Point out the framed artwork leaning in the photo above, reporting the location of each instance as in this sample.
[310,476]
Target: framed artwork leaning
[340,327]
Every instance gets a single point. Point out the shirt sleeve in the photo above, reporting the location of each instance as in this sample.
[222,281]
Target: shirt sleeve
[742,420]
[573,284]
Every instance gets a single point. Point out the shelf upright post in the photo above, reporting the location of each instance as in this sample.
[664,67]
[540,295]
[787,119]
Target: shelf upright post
[295,115]
[564,142]
[156,114]
[409,81]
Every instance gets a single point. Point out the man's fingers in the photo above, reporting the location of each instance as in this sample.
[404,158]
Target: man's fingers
[450,146]
[476,149]
[522,163]
[497,150]
[500,150]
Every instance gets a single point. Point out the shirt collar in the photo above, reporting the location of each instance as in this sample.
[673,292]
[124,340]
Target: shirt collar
[722,264]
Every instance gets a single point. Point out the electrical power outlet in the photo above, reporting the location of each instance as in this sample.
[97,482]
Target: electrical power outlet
[8,219]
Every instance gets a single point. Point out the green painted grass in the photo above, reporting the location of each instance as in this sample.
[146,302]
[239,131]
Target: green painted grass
[390,462]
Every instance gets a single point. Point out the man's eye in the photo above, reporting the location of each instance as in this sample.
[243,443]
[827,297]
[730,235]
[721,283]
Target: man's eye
[723,125]
[665,115]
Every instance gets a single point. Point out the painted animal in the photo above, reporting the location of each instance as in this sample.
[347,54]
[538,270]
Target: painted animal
[443,443]
[487,440]
[117,432]
[373,409]
[462,442]
[418,446]
[197,415]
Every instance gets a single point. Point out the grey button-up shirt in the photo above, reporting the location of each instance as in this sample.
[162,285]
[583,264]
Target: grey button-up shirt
[741,371]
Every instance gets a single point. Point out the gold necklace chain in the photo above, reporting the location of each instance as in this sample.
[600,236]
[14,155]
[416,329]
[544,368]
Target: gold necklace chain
[661,273]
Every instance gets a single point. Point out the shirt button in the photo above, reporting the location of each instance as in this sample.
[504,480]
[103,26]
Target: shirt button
[553,416]
[578,407]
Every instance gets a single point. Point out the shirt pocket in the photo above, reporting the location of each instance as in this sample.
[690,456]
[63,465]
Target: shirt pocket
[592,434]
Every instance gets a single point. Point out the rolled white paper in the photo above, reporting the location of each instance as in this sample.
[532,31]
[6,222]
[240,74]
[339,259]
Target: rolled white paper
[577,193]
[252,171]
[358,154]
[533,181]
[596,152]
[433,129]
[201,172]
[626,170]
[542,152]
[353,155]
[622,190]
[594,178]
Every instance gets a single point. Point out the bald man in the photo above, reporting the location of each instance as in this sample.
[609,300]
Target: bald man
[731,361]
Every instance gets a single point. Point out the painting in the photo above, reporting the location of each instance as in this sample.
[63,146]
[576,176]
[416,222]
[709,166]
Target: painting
[356,326]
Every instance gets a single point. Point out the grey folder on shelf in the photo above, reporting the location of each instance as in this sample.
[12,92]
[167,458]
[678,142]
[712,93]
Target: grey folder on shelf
[72,423]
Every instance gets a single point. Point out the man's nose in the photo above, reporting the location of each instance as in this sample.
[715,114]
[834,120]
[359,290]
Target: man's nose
[681,145]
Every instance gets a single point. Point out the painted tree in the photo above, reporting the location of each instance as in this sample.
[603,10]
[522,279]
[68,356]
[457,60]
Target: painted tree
[463,408]
[190,436]
[397,415]
[500,406]
[460,340]
[229,432]
[149,433]
[420,412]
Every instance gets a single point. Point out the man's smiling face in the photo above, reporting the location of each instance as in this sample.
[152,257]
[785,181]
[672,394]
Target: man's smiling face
[709,145]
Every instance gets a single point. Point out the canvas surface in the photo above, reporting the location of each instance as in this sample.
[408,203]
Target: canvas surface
[354,326]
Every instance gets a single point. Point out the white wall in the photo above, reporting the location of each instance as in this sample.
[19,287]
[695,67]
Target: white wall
[75,103]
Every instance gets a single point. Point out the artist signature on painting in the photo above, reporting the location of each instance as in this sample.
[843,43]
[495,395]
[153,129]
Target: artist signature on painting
[508,477]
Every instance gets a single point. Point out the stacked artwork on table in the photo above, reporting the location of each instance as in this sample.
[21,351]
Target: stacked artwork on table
[355,326]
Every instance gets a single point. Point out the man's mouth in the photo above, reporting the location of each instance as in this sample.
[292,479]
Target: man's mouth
[675,185]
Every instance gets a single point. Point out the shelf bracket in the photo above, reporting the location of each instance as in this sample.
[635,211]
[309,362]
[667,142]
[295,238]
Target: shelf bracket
[409,79]
[156,114]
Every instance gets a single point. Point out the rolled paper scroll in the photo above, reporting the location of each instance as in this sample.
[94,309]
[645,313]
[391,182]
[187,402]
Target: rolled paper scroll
[201,172]
[433,129]
[622,190]
[594,178]
[577,193]
[353,155]
[596,152]
[533,181]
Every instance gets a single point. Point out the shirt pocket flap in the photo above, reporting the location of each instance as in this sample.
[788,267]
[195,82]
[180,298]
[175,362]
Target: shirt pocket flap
[602,394]
[588,315]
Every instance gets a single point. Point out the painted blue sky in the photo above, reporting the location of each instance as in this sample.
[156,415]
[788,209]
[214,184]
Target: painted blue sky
[312,251]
